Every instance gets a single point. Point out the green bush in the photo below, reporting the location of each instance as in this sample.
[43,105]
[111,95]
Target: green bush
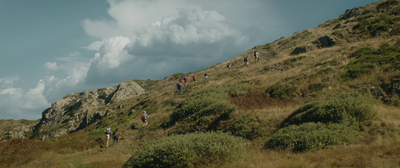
[189,150]
[223,107]
[246,126]
[309,136]
[280,92]
[317,86]
[346,108]
[208,101]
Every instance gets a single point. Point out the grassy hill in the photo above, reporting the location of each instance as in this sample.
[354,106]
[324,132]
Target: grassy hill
[323,97]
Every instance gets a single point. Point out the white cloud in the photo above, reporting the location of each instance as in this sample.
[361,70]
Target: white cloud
[95,46]
[112,52]
[18,104]
[50,65]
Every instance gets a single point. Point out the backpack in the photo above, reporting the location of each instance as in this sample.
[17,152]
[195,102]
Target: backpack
[245,59]
[107,131]
[180,84]
[143,117]
[255,53]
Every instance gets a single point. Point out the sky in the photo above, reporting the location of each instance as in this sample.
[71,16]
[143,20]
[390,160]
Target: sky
[51,48]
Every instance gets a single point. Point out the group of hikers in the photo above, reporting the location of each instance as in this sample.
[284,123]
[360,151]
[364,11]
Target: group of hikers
[179,83]
[110,134]
[247,61]
[180,86]
[116,133]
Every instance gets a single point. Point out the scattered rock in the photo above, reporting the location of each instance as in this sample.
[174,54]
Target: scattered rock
[299,50]
[350,13]
[324,41]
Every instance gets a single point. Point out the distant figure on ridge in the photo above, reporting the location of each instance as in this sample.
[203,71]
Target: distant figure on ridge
[116,133]
[108,135]
[256,56]
[207,74]
[144,118]
[194,77]
[179,86]
[229,65]
[186,80]
[246,61]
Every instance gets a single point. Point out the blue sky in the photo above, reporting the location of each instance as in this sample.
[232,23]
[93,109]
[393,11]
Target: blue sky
[51,48]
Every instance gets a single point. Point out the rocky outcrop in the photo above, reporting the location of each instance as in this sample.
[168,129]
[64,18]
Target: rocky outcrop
[302,49]
[16,132]
[350,13]
[324,41]
[77,111]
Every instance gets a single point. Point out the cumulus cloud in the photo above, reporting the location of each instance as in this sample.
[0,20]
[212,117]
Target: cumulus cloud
[18,104]
[50,65]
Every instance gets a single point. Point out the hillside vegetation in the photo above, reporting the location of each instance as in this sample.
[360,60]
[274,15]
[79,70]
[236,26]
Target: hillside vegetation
[323,97]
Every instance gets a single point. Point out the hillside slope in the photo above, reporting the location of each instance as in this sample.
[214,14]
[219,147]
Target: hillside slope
[356,54]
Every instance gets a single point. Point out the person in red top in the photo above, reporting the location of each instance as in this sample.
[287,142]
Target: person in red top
[186,80]
[194,77]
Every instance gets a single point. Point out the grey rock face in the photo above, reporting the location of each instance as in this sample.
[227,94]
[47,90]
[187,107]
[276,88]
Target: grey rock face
[302,49]
[324,41]
[77,111]
[350,13]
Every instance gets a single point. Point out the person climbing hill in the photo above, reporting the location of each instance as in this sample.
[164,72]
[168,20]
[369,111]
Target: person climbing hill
[116,138]
[229,65]
[256,56]
[246,61]
[144,118]
[194,77]
[108,133]
[179,86]
[186,80]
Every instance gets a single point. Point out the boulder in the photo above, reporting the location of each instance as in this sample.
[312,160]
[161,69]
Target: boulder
[301,49]
[325,41]
[350,13]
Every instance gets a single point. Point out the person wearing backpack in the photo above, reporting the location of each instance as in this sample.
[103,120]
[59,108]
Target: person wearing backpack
[246,60]
[256,56]
[108,133]
[207,74]
[180,86]
[229,65]
[144,118]
[116,133]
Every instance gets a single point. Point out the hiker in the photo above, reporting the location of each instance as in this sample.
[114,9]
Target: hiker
[256,56]
[144,118]
[179,86]
[194,77]
[246,60]
[108,135]
[207,74]
[116,133]
[186,80]
[229,65]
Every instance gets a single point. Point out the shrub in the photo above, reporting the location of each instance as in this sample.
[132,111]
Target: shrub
[280,92]
[317,86]
[223,107]
[189,150]
[246,127]
[208,101]
[345,108]
[309,136]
